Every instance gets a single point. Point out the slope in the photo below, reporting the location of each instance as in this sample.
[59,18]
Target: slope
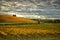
[6,18]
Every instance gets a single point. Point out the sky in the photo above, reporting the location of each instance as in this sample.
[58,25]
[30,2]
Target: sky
[40,3]
[47,8]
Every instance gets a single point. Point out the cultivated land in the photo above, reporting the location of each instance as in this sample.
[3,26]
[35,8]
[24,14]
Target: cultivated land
[6,18]
[43,31]
[29,31]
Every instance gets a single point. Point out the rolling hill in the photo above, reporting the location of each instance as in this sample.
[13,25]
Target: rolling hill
[6,18]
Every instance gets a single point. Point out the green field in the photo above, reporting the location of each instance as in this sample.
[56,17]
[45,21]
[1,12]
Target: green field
[31,31]
[43,26]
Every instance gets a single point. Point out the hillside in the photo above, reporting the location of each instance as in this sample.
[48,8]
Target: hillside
[6,18]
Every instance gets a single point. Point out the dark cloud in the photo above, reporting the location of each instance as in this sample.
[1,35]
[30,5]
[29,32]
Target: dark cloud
[41,3]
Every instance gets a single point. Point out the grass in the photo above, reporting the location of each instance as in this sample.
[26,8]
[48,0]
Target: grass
[31,31]
[43,26]
[32,37]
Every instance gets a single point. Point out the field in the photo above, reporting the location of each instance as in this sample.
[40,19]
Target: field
[31,31]
[7,18]
[17,28]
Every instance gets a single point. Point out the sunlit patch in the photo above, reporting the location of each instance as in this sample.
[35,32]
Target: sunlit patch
[19,15]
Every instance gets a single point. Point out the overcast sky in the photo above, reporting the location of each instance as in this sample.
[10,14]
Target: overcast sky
[40,3]
[38,7]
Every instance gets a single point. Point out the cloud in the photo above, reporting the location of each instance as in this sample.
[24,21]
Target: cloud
[40,4]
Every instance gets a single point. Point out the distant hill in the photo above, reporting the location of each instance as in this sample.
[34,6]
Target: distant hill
[6,18]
